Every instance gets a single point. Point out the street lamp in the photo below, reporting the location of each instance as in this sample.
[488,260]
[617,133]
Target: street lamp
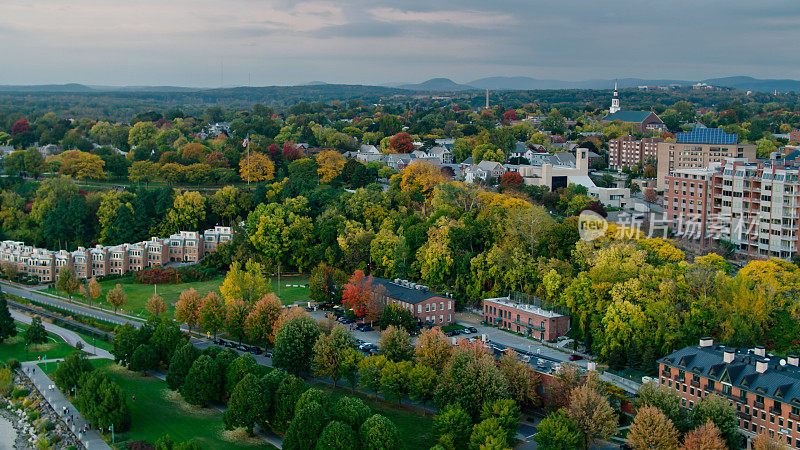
[111,428]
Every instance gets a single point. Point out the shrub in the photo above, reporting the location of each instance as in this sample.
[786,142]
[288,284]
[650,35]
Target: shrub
[158,275]
[13,363]
[19,393]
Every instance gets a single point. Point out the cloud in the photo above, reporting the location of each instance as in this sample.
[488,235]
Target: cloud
[476,19]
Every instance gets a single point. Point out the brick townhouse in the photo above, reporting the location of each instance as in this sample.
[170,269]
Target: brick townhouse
[426,306]
[528,319]
[764,389]
[186,246]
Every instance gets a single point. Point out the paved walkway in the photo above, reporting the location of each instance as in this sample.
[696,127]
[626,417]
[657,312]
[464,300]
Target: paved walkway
[31,293]
[58,402]
[70,337]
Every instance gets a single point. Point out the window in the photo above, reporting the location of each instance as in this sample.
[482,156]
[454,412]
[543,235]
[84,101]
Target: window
[760,399]
[427,307]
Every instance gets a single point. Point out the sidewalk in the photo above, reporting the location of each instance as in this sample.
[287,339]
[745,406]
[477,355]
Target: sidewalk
[57,401]
[70,337]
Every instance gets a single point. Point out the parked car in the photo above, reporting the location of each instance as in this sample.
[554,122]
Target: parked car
[243,348]
[310,308]
[346,320]
[374,351]
[268,354]
[359,341]
[364,327]
[256,350]
[575,357]
[472,329]
[367,347]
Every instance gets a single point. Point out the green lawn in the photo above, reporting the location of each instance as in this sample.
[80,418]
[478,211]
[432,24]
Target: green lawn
[416,428]
[14,347]
[139,293]
[455,326]
[158,410]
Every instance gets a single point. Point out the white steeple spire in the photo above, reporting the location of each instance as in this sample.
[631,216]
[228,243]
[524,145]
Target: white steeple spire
[614,100]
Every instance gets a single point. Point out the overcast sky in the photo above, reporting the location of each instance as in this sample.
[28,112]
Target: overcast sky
[186,42]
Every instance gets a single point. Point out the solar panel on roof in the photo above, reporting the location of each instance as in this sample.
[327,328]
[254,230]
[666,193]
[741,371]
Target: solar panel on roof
[707,136]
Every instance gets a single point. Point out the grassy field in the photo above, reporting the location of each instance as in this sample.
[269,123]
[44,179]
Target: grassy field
[416,428]
[14,347]
[158,410]
[139,293]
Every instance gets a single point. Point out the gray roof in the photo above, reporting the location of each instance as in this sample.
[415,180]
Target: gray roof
[403,293]
[629,116]
[778,382]
[438,150]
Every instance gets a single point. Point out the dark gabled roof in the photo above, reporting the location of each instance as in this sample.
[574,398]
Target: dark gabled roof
[778,382]
[403,293]
[630,116]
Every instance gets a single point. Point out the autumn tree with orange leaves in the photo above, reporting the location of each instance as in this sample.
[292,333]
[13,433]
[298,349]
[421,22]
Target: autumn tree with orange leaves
[357,293]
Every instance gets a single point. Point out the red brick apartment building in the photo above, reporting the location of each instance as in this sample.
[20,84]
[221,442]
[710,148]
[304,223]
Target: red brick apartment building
[528,319]
[688,195]
[764,389]
[627,151]
[426,306]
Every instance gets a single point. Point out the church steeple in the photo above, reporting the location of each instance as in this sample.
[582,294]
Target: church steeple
[614,101]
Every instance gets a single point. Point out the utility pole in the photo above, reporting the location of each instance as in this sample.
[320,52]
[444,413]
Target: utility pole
[487,98]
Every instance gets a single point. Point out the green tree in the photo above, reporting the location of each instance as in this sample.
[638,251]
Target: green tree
[337,436]
[328,351]
[351,411]
[395,344]
[35,333]
[395,379]
[455,421]
[722,414]
[236,318]
[470,380]
[102,402]
[126,339]
[369,372]
[246,406]
[187,213]
[306,427]
[180,364]
[325,284]
[558,432]
[666,400]
[506,412]
[243,365]
[486,432]
[143,359]
[422,382]
[7,326]
[286,395]
[203,382]
[294,344]
[379,433]
[247,283]
[70,370]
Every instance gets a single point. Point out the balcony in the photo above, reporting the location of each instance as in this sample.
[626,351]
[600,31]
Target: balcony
[532,327]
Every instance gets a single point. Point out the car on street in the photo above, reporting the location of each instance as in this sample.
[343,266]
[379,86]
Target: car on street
[256,350]
[472,329]
[364,327]
[268,354]
[367,347]
[346,320]
[575,357]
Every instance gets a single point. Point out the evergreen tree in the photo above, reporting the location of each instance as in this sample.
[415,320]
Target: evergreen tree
[70,371]
[246,406]
[306,427]
[35,334]
[179,365]
[7,326]
[143,359]
[102,402]
[202,383]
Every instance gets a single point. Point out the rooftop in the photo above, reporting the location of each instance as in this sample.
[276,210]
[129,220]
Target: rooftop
[405,290]
[629,116]
[539,311]
[779,379]
[702,135]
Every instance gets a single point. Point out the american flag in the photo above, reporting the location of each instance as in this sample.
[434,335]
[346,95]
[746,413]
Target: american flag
[246,141]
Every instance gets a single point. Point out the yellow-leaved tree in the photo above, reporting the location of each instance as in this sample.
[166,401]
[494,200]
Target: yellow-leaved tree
[257,167]
[246,283]
[330,164]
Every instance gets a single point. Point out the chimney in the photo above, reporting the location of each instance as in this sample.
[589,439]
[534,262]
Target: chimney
[793,360]
[727,356]
[760,351]
[706,342]
[761,365]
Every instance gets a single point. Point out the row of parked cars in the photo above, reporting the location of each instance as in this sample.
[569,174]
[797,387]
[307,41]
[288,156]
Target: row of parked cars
[467,330]
[241,347]
[359,327]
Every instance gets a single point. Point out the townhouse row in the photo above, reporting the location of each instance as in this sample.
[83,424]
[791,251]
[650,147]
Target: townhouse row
[185,246]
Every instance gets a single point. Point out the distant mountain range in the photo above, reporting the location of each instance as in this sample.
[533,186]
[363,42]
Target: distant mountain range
[448,85]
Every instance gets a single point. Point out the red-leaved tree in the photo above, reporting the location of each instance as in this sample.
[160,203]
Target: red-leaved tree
[509,115]
[358,292]
[511,180]
[20,126]
[401,143]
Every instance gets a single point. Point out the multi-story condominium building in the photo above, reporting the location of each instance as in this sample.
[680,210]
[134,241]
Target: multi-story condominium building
[765,390]
[757,206]
[528,319]
[688,195]
[697,149]
[112,260]
[627,151]
[212,238]
[426,306]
